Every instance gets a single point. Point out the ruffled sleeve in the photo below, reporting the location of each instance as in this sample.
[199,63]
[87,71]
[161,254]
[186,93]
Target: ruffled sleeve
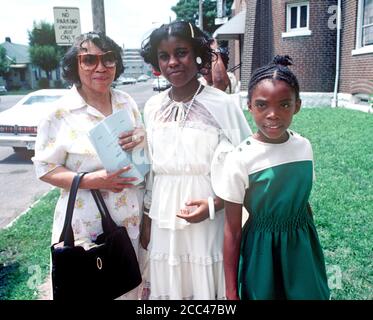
[228,175]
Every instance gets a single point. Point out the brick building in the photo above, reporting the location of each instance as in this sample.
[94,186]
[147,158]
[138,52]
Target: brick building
[307,31]
[356,63]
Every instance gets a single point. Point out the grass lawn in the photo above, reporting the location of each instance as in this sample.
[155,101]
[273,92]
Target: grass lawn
[24,251]
[342,200]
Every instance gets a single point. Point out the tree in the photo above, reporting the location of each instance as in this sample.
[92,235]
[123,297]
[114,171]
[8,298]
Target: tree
[4,62]
[187,10]
[46,57]
[44,51]
[42,34]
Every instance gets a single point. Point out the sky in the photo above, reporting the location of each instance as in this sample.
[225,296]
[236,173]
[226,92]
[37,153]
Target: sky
[128,22]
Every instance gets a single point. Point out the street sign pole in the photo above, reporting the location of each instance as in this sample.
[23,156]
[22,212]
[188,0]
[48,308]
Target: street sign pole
[200,15]
[98,15]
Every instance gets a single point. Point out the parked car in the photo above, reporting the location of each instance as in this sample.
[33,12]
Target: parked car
[18,124]
[3,90]
[160,84]
[143,78]
[127,80]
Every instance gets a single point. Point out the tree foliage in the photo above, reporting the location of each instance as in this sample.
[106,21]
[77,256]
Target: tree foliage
[42,34]
[46,57]
[4,62]
[44,51]
[188,10]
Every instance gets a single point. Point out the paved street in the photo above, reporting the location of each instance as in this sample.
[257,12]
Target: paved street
[19,187]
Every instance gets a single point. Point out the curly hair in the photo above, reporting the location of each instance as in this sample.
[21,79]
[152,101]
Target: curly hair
[277,69]
[199,41]
[100,40]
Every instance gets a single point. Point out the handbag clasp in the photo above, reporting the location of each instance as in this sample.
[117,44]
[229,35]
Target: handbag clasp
[99,263]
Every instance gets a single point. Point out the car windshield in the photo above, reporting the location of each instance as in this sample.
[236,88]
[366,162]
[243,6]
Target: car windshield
[41,99]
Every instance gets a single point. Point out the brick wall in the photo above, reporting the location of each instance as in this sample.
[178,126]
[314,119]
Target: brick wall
[313,56]
[356,72]
[248,47]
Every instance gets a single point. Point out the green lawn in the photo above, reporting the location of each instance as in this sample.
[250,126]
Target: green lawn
[24,251]
[342,200]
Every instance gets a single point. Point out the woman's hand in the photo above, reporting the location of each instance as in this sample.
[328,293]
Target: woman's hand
[110,181]
[131,139]
[198,215]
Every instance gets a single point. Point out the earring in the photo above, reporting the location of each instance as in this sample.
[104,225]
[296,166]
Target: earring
[198,60]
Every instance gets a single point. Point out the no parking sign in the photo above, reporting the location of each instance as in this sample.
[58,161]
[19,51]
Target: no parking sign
[66,25]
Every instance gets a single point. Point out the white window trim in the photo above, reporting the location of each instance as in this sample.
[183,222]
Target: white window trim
[359,49]
[288,16]
[362,50]
[297,32]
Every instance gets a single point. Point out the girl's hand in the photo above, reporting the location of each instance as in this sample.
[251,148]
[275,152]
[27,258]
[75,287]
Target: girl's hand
[145,231]
[198,215]
[110,181]
[131,139]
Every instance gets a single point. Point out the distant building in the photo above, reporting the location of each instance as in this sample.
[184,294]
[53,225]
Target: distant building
[134,65]
[23,74]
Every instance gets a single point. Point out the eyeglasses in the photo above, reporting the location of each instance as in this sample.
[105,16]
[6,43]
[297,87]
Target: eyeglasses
[89,61]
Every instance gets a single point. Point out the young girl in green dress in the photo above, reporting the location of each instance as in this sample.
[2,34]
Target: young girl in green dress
[277,254]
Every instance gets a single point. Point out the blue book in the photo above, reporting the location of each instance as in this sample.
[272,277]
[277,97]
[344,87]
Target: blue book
[104,137]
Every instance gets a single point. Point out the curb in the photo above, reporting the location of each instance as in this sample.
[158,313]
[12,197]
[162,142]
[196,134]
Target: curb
[26,211]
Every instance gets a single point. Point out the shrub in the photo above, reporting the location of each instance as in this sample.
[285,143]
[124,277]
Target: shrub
[43,83]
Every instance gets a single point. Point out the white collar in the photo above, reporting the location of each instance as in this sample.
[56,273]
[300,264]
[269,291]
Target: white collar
[74,101]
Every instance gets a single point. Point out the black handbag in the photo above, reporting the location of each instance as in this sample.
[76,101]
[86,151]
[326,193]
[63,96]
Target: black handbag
[106,270]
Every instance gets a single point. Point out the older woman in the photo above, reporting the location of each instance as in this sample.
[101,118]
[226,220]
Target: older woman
[63,147]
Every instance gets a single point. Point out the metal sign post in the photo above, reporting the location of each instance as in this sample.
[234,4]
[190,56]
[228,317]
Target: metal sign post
[66,25]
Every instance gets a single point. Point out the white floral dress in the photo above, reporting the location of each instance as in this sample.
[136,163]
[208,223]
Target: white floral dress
[62,141]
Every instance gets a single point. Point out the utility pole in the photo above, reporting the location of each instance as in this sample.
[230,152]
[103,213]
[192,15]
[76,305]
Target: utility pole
[200,15]
[98,15]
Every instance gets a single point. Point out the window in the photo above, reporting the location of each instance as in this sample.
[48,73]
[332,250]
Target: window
[367,25]
[364,28]
[297,20]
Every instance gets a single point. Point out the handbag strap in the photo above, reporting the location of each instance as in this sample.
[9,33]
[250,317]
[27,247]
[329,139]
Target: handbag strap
[67,234]
[108,224]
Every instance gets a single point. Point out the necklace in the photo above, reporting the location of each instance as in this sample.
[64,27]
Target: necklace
[188,107]
[182,122]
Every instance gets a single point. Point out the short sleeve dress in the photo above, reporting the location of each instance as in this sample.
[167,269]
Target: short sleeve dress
[281,256]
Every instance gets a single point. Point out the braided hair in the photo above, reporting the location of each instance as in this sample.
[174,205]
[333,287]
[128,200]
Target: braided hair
[277,69]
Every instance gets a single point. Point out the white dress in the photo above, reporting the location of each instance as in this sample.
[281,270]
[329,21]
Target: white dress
[185,259]
[62,141]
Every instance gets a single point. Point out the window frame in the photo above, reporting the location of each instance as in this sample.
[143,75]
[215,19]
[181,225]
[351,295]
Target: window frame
[298,31]
[359,47]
